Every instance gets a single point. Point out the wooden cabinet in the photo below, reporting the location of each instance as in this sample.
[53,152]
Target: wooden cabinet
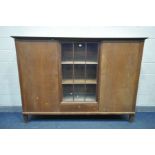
[78,76]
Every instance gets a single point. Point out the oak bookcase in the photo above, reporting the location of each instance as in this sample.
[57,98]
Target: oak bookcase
[78,76]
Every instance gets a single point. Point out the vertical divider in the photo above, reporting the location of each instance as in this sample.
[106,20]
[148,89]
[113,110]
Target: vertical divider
[60,72]
[85,71]
[97,71]
[73,76]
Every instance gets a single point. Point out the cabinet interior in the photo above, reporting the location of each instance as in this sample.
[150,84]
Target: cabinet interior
[79,62]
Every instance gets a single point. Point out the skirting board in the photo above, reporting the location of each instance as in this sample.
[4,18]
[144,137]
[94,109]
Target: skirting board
[19,109]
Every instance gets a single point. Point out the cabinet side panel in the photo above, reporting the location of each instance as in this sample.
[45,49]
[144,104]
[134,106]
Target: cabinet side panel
[39,74]
[119,74]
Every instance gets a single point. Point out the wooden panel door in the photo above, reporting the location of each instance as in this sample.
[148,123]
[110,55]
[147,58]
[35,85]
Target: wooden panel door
[38,62]
[119,73]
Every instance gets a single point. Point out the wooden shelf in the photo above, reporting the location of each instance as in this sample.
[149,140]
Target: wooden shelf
[79,81]
[86,97]
[78,62]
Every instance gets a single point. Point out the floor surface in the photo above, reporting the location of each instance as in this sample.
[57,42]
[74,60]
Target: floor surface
[14,120]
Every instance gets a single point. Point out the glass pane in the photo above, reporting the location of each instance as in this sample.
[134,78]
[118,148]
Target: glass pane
[68,92]
[91,71]
[79,71]
[92,52]
[67,71]
[67,52]
[90,92]
[79,52]
[79,92]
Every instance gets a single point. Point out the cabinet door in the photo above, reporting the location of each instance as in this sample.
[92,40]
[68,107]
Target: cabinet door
[119,74]
[79,63]
[38,62]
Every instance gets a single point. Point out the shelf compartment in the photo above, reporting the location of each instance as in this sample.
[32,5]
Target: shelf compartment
[68,93]
[91,71]
[79,81]
[67,51]
[79,92]
[67,72]
[79,71]
[79,51]
[92,52]
[90,93]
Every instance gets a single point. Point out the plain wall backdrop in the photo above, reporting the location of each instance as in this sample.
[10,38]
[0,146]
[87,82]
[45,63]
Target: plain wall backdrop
[9,82]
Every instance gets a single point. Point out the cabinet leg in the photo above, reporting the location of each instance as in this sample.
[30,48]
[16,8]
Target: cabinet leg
[131,117]
[26,118]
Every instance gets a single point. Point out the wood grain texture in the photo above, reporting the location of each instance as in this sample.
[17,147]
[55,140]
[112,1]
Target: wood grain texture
[119,74]
[39,74]
[79,107]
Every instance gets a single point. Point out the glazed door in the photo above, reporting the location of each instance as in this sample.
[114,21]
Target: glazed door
[79,66]
[38,62]
[119,73]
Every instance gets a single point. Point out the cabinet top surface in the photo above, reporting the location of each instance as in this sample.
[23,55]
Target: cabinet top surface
[73,38]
